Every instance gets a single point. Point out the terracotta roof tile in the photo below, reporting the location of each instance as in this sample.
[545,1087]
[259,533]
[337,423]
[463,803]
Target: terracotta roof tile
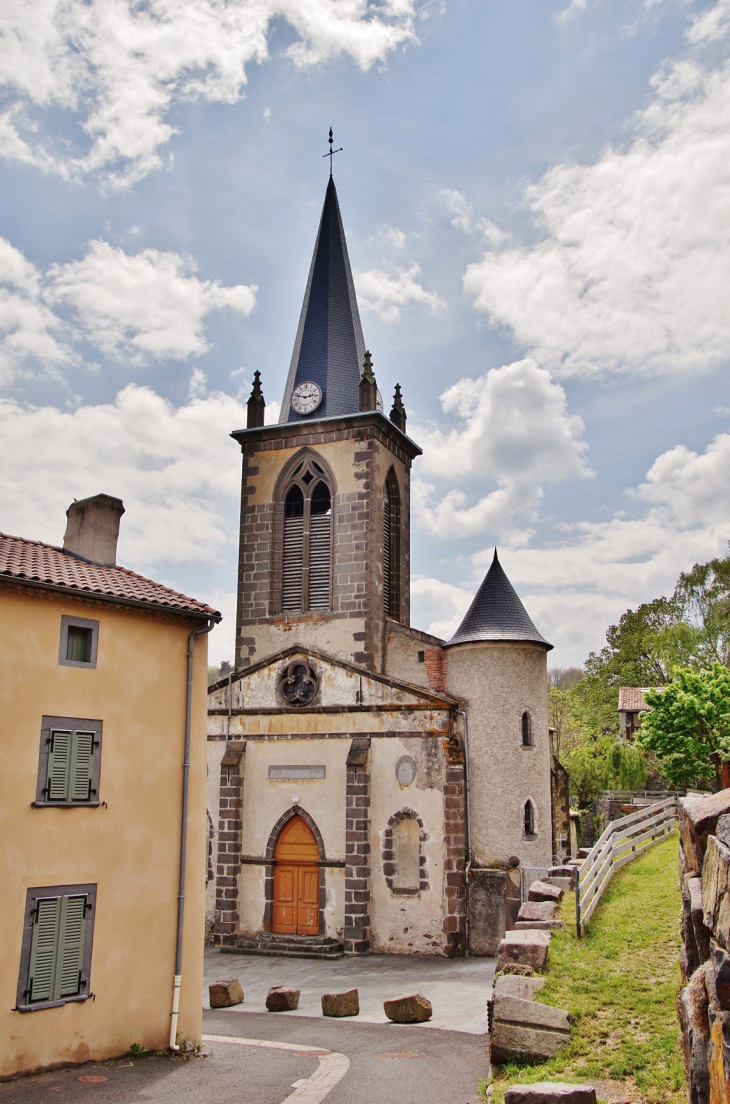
[631,699]
[34,562]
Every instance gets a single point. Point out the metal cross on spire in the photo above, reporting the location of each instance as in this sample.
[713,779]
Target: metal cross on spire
[332,152]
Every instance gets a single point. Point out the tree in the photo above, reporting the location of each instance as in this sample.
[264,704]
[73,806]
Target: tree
[689,719]
[625,767]
[703,594]
[586,768]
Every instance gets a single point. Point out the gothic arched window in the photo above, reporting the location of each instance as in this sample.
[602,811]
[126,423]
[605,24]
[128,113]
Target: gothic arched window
[307,539]
[528,818]
[391,547]
[526,729]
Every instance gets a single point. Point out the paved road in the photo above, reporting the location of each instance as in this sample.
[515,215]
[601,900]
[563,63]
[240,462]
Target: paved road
[388,1064]
[458,988]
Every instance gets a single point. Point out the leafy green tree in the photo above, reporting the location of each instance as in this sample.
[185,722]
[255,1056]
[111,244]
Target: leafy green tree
[689,719]
[625,767]
[703,595]
[587,769]
[631,657]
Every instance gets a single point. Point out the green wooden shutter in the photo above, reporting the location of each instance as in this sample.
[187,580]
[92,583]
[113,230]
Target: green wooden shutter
[59,766]
[81,766]
[72,931]
[44,949]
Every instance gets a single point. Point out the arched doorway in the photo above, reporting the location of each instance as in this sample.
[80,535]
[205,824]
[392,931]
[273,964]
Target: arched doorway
[296,880]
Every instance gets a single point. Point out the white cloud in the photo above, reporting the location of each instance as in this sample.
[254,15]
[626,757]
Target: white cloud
[438,607]
[464,218]
[633,265]
[386,291]
[176,469]
[31,336]
[514,430]
[576,588]
[142,306]
[148,304]
[120,67]
[392,236]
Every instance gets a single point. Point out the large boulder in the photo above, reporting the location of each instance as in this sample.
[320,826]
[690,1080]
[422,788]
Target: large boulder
[282,998]
[541,891]
[225,992]
[700,932]
[408,1008]
[341,1004]
[550,1092]
[526,948]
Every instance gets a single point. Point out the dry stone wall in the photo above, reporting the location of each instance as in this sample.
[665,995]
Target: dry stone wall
[704,1002]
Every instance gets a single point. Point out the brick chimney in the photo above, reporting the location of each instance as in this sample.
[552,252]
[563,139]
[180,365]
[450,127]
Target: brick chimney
[92,529]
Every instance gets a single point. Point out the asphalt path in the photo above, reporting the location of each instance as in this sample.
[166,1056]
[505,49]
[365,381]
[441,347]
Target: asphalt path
[388,1064]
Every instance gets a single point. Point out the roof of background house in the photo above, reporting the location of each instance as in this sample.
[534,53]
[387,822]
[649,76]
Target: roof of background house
[631,699]
[329,347]
[45,565]
[497,613]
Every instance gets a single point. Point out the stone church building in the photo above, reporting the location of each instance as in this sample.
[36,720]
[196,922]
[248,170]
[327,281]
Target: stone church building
[361,772]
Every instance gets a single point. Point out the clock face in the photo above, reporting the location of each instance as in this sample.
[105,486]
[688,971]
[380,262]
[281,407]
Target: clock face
[306,398]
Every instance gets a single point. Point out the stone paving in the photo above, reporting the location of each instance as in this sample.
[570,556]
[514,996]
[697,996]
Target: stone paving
[457,988]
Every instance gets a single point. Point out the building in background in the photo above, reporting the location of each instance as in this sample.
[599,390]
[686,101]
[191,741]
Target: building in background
[341,746]
[94,695]
[631,705]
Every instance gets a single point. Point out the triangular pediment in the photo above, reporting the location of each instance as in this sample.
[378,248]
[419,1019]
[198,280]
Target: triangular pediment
[338,684]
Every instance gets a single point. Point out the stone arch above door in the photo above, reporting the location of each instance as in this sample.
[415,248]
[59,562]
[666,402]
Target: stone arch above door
[272,861]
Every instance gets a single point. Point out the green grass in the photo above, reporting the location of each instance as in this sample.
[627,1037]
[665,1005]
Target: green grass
[619,984]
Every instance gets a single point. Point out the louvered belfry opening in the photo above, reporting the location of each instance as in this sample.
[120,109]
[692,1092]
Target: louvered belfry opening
[391,548]
[307,553]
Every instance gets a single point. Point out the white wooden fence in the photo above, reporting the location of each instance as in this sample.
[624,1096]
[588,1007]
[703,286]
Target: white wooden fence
[622,841]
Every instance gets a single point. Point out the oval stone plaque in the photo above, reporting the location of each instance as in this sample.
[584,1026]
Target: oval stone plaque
[405,770]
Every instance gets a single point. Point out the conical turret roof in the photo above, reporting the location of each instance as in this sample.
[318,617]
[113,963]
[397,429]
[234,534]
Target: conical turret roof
[329,348]
[497,613]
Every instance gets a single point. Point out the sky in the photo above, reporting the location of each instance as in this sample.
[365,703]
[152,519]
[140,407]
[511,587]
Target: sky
[536,197]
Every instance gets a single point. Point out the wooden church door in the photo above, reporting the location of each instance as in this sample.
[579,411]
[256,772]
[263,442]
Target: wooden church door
[296,880]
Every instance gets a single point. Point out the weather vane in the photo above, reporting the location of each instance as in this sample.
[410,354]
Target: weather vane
[332,152]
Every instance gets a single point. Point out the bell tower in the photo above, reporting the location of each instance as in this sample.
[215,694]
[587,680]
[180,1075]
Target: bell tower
[324,555]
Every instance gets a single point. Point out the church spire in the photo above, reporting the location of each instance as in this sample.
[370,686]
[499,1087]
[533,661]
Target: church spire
[329,347]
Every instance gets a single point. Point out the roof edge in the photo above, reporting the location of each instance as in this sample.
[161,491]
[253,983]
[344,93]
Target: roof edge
[98,596]
[502,640]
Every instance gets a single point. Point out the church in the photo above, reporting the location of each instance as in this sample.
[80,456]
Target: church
[361,773]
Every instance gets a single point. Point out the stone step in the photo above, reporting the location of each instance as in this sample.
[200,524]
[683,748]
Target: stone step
[288,946]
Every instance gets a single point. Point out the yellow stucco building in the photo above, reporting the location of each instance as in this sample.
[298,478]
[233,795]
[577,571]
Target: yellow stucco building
[103,702]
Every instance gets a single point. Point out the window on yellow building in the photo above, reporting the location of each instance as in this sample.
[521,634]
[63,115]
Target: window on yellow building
[55,962]
[69,762]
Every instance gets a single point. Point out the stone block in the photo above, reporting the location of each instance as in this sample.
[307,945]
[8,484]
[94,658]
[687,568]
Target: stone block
[566,884]
[408,1008]
[692,848]
[695,1029]
[565,871]
[541,891]
[526,948]
[341,1004]
[700,932]
[513,1041]
[225,992]
[722,829]
[538,910]
[721,968]
[550,1092]
[516,969]
[539,925]
[529,1013]
[511,985]
[282,998]
[716,891]
[488,919]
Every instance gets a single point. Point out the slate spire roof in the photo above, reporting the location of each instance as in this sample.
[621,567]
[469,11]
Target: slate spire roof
[497,613]
[329,348]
